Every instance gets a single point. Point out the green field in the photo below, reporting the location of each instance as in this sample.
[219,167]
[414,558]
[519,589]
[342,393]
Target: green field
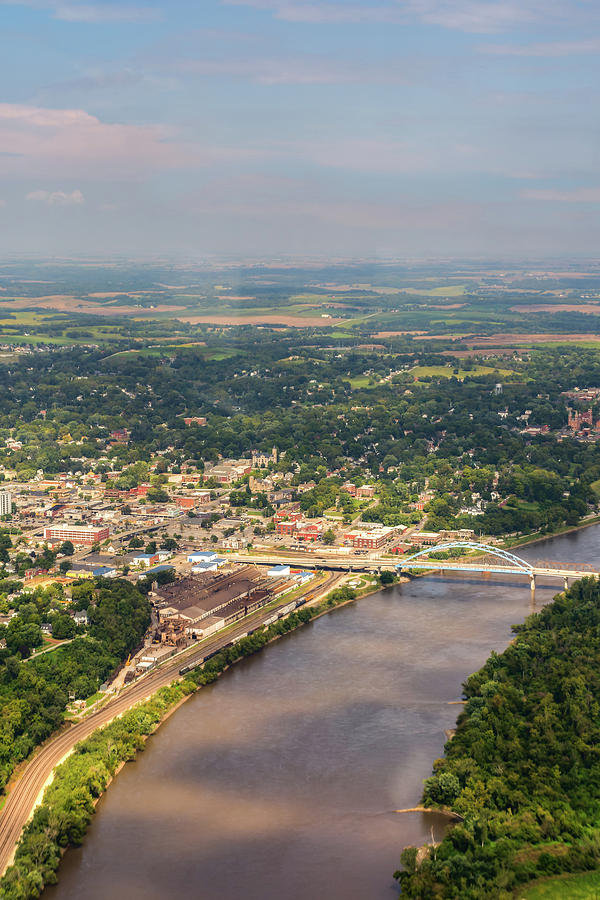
[363,381]
[571,887]
[166,349]
[451,290]
[448,372]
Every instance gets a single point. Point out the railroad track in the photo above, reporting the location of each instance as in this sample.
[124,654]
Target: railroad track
[21,799]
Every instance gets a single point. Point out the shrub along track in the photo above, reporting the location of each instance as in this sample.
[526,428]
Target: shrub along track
[22,797]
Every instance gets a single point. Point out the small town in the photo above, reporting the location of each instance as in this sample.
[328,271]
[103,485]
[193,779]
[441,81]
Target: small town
[299,450]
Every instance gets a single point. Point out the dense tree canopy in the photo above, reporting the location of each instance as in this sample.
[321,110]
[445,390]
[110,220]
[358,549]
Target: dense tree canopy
[523,768]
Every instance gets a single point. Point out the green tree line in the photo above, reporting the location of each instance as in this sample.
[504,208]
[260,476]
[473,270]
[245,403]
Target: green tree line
[523,769]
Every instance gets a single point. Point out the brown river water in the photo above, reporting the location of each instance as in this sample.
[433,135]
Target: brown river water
[280,781]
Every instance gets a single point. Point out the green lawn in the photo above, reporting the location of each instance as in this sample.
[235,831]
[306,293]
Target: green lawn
[571,887]
[172,349]
[448,372]
[363,381]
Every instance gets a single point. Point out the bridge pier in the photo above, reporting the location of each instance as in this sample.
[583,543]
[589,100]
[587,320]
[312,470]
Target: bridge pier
[532,585]
[566,583]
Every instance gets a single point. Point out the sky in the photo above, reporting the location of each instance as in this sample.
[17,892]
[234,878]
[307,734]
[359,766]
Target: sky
[268,128]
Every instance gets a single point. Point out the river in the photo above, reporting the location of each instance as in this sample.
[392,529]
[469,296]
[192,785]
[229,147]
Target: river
[280,780]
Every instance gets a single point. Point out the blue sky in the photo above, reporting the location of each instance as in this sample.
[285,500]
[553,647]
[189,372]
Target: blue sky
[392,128]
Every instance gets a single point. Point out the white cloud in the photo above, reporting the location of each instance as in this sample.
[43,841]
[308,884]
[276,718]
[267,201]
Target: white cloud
[99,13]
[578,195]
[476,16]
[92,13]
[383,156]
[327,13]
[64,140]
[67,143]
[292,70]
[550,49]
[57,198]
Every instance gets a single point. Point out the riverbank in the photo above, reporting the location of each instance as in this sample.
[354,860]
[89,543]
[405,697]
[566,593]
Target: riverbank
[94,763]
[257,769]
[528,795]
[517,543]
[441,811]
[370,586]
[538,537]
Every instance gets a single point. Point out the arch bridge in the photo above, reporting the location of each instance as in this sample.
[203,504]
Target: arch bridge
[503,563]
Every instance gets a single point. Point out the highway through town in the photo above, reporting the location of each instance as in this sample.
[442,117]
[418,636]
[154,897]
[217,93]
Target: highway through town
[373,563]
[340,562]
[23,794]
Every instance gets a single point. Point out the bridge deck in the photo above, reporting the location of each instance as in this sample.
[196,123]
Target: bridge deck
[447,565]
[373,564]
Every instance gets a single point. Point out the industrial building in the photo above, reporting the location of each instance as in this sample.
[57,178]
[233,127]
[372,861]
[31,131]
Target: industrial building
[196,598]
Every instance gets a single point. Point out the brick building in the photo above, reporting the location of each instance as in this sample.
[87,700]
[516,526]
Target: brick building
[80,535]
[370,540]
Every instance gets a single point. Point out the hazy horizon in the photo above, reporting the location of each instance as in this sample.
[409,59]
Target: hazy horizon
[257,129]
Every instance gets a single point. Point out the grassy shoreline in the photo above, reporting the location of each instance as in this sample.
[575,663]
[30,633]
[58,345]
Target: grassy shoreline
[58,823]
[537,537]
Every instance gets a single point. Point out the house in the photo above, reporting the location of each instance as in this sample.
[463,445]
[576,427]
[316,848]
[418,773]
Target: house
[145,559]
[120,436]
[194,420]
[278,498]
[365,491]
[260,459]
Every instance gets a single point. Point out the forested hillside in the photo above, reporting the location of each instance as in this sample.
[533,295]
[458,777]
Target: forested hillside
[524,767]
[34,692]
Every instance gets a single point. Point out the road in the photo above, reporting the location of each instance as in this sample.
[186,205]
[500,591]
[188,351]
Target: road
[25,791]
[372,563]
[341,563]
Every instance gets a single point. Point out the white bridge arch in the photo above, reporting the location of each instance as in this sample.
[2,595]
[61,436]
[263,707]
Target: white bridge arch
[507,562]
